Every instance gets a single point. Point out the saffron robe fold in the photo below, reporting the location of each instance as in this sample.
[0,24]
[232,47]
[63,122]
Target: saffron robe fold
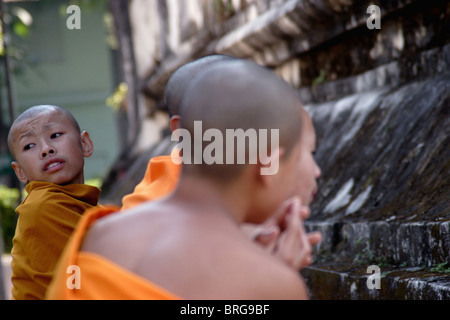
[160,179]
[98,278]
[47,218]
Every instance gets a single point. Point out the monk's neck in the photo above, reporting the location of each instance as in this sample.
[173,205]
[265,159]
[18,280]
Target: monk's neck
[206,196]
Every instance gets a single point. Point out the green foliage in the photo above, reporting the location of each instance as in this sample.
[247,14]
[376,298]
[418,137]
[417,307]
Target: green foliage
[9,200]
[224,9]
[18,23]
[321,78]
[21,29]
[366,256]
[442,268]
[95,182]
[2,46]
[116,99]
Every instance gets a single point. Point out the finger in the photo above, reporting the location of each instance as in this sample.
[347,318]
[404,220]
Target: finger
[307,261]
[293,244]
[267,236]
[279,218]
[305,212]
[314,238]
[293,225]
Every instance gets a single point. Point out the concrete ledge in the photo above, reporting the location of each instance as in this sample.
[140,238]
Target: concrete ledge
[333,281]
[415,244]
[432,62]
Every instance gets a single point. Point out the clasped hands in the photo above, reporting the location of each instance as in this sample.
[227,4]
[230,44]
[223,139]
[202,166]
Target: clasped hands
[284,234]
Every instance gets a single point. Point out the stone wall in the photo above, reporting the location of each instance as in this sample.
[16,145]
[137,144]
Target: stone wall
[384,196]
[272,32]
[169,33]
[288,35]
[380,100]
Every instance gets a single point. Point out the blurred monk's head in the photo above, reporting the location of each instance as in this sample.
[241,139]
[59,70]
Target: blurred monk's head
[181,78]
[243,98]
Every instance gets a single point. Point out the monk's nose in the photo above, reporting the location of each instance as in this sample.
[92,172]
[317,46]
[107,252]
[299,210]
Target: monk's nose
[48,151]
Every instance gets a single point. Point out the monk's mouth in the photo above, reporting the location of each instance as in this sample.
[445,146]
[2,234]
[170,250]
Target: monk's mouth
[53,165]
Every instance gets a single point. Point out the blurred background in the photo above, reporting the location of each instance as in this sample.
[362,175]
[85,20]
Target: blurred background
[373,74]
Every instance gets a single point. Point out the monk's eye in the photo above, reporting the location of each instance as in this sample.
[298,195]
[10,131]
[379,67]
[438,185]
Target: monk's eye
[56,135]
[28,147]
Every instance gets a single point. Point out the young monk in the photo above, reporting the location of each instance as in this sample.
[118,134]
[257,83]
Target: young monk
[162,174]
[189,245]
[48,148]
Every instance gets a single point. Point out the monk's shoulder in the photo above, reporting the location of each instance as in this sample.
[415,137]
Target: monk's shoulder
[100,234]
[114,236]
[276,280]
[253,273]
[37,205]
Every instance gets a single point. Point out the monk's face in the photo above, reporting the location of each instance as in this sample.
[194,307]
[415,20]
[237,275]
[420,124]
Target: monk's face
[49,148]
[302,164]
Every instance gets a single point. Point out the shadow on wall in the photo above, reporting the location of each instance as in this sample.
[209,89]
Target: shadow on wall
[385,154]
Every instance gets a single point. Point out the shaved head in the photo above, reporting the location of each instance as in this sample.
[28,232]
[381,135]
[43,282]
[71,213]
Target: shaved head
[240,94]
[33,112]
[183,76]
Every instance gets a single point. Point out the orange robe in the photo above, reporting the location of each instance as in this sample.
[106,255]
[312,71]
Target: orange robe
[47,218]
[160,179]
[98,278]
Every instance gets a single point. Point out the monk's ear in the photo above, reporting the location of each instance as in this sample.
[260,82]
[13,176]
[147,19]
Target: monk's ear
[269,166]
[21,175]
[174,123]
[87,144]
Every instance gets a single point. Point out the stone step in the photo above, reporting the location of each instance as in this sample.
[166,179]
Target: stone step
[409,244]
[338,281]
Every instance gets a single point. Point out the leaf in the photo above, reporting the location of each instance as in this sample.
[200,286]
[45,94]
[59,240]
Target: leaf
[21,29]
